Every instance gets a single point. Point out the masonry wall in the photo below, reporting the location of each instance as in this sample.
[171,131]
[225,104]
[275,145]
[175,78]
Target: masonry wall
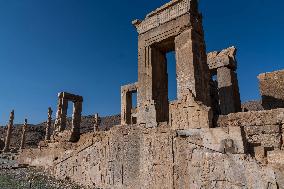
[135,157]
[272,89]
[261,128]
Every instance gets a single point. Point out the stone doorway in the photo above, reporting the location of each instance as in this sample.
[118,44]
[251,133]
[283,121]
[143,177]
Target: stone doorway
[61,116]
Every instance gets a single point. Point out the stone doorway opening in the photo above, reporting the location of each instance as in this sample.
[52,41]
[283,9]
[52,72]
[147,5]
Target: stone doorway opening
[64,99]
[162,54]
[172,76]
[134,107]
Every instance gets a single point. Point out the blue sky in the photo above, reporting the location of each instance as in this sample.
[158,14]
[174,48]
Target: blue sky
[89,47]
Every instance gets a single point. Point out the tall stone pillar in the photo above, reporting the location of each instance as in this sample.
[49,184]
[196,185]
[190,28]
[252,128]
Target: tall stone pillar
[224,64]
[58,116]
[228,91]
[24,130]
[9,132]
[63,122]
[76,121]
[97,123]
[48,124]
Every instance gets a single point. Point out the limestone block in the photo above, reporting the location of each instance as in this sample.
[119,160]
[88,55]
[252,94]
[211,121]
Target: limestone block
[224,58]
[253,118]
[189,114]
[259,153]
[217,139]
[272,89]
[275,157]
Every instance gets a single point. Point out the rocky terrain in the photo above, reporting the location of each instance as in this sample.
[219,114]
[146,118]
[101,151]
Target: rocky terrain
[14,175]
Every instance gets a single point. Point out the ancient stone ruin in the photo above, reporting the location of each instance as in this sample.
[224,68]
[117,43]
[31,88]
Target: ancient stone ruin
[48,130]
[203,139]
[61,116]
[23,140]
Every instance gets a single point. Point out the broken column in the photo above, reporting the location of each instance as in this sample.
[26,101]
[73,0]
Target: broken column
[9,132]
[97,123]
[76,121]
[24,130]
[126,103]
[48,125]
[224,64]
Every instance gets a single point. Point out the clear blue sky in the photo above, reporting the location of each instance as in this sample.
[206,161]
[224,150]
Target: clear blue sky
[89,47]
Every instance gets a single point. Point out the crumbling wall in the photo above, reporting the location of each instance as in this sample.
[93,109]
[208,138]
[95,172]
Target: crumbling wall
[189,114]
[272,89]
[136,157]
[120,158]
[261,128]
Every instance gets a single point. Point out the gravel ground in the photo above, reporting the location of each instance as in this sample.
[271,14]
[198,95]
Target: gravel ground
[12,176]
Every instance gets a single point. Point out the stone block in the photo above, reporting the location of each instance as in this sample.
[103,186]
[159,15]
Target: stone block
[272,89]
[275,157]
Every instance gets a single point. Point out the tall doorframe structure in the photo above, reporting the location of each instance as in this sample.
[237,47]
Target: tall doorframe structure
[176,26]
[61,116]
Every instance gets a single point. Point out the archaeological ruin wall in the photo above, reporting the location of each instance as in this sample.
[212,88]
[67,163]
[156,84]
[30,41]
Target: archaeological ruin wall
[201,140]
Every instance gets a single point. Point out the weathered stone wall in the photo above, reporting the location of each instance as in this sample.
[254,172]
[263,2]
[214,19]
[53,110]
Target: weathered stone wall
[135,157]
[272,89]
[252,106]
[261,128]
[189,114]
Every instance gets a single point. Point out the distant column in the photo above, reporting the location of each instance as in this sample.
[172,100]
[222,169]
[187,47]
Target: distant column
[48,124]
[9,132]
[97,123]
[23,141]
[58,116]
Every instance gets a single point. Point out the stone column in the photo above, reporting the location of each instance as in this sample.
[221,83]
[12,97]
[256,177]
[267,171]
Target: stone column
[97,123]
[228,91]
[23,141]
[63,119]
[9,132]
[48,124]
[224,64]
[76,121]
[58,116]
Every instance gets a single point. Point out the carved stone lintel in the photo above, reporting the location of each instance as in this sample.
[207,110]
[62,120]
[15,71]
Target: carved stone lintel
[162,15]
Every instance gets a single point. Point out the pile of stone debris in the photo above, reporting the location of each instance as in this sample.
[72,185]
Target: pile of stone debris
[14,176]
